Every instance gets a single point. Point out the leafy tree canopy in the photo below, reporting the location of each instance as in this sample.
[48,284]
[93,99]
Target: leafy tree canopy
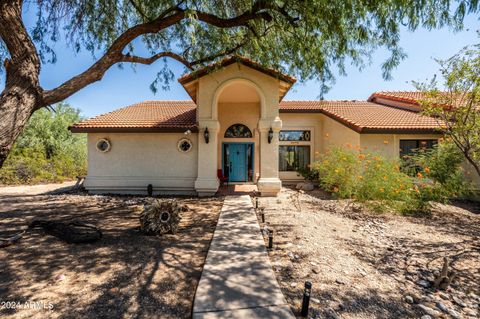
[454,100]
[46,151]
[47,131]
[304,38]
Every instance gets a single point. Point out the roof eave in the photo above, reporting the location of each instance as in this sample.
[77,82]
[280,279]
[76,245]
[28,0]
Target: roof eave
[376,95]
[390,130]
[231,60]
[76,129]
[368,130]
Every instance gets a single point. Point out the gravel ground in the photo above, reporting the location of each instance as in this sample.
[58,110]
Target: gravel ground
[366,265]
[124,275]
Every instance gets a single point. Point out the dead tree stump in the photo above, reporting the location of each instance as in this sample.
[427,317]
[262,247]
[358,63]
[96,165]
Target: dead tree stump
[160,217]
[445,277]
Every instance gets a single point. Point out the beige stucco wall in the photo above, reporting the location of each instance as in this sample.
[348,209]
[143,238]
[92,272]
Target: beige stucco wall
[208,89]
[335,134]
[243,113]
[138,159]
[327,133]
[388,145]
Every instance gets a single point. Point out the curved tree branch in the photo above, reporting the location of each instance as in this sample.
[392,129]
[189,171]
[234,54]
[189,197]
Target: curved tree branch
[153,58]
[168,18]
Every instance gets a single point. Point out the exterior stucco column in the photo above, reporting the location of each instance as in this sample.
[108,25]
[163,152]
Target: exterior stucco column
[207,182]
[269,183]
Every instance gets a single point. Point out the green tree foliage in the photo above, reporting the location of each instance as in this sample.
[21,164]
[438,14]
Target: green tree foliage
[47,151]
[305,38]
[439,172]
[454,101]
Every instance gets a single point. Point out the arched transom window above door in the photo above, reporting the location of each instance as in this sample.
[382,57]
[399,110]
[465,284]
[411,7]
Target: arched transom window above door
[238,131]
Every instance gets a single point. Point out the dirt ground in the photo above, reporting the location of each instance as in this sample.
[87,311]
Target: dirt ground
[367,265]
[124,275]
[36,189]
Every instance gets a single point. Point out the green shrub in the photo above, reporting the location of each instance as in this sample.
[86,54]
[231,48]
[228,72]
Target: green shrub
[432,175]
[46,151]
[337,170]
[382,184]
[367,178]
[308,173]
[438,172]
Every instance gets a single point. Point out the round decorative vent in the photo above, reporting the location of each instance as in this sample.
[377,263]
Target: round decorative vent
[103,145]
[184,145]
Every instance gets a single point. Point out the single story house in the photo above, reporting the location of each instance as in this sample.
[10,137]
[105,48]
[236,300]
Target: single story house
[237,127]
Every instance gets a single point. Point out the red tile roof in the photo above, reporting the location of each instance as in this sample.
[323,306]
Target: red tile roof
[364,116]
[151,116]
[233,59]
[168,116]
[411,97]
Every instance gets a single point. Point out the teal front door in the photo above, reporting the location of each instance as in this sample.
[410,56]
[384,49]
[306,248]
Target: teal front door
[238,162]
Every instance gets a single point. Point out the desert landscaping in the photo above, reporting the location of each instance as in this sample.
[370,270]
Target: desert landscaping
[240,159]
[361,264]
[125,274]
[369,265]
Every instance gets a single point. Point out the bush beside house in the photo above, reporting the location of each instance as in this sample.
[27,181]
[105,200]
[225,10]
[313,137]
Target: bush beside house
[405,186]
[47,151]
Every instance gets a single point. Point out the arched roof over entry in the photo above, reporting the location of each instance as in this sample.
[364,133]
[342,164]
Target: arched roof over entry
[190,80]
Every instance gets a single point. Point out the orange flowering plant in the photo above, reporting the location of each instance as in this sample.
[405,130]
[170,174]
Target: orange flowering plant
[336,171]
[389,185]
[365,177]
[382,185]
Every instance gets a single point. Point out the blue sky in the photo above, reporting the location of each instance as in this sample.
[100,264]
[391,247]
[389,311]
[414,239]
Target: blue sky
[121,87]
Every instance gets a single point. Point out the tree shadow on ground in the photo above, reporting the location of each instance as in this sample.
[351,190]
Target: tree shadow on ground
[387,249]
[409,261]
[460,217]
[442,218]
[366,304]
[125,274]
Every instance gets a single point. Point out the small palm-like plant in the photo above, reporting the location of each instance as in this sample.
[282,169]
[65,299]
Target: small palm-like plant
[160,217]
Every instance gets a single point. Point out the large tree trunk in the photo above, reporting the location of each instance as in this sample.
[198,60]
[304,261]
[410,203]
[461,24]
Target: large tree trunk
[16,107]
[22,94]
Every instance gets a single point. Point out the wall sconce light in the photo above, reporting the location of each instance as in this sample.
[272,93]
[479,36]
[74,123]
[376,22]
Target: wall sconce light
[206,135]
[270,135]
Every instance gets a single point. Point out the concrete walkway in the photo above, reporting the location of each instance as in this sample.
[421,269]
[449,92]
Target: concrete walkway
[237,279]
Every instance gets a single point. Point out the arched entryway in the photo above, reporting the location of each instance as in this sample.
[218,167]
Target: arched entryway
[235,94]
[238,112]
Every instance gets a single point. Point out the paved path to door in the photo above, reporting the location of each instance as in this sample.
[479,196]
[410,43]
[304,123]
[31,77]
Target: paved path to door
[237,279]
